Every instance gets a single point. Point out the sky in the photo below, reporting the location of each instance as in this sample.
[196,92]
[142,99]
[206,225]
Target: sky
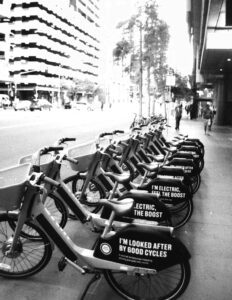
[173,12]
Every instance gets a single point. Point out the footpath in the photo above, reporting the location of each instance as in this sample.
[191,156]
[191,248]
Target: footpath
[208,233]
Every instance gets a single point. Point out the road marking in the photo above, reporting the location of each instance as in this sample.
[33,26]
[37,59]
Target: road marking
[19,125]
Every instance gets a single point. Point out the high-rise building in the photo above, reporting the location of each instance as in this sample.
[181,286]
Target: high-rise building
[51,44]
[4,45]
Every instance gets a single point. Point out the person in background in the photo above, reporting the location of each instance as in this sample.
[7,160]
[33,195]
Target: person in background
[207,115]
[178,115]
[213,110]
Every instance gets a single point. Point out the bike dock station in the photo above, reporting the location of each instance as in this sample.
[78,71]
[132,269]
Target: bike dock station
[207,236]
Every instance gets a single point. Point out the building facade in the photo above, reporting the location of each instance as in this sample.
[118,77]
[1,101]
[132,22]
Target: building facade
[210,27]
[50,45]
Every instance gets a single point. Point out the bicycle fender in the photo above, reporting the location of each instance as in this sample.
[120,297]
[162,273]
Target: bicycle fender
[147,207]
[169,190]
[175,172]
[142,247]
[188,165]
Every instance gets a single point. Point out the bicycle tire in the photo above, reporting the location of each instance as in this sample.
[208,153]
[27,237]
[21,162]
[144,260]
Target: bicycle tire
[179,217]
[57,209]
[151,287]
[201,164]
[195,182]
[94,189]
[30,255]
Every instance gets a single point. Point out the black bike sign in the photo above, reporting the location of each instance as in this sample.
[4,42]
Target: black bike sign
[146,247]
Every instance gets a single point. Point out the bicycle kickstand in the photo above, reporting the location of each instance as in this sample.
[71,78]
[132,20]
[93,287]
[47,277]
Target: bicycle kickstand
[96,277]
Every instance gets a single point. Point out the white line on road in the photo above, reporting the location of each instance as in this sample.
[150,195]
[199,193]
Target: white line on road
[20,125]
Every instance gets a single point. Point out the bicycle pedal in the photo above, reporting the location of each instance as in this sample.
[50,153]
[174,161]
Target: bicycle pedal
[62,263]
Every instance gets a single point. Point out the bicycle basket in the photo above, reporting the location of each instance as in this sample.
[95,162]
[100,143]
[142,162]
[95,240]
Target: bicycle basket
[12,186]
[104,142]
[83,153]
[46,162]
[125,137]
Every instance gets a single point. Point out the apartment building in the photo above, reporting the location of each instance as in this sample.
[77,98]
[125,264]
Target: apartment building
[4,45]
[51,44]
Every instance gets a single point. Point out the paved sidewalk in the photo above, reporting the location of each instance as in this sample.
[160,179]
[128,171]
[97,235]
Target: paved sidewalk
[207,236]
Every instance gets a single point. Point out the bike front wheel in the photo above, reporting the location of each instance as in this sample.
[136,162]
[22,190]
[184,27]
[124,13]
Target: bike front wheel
[93,193]
[58,211]
[167,284]
[29,255]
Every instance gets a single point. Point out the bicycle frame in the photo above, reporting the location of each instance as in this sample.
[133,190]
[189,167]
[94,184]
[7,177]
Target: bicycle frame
[105,256]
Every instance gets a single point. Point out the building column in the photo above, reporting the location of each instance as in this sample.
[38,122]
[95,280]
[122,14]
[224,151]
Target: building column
[223,97]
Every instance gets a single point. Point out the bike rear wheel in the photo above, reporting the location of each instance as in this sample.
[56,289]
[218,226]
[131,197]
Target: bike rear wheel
[29,256]
[181,214]
[168,284]
[195,182]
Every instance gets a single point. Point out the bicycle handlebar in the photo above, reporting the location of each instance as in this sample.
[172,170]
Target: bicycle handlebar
[124,144]
[43,151]
[136,128]
[72,160]
[50,149]
[105,134]
[118,131]
[113,151]
[66,139]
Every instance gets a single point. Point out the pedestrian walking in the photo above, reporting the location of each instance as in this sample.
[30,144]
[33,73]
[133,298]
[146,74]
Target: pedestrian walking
[213,110]
[207,115]
[178,115]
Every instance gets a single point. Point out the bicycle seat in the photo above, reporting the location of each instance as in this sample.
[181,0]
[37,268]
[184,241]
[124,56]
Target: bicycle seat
[170,149]
[158,157]
[175,143]
[151,167]
[121,178]
[119,207]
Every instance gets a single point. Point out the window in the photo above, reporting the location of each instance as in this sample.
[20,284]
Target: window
[2,55]
[2,36]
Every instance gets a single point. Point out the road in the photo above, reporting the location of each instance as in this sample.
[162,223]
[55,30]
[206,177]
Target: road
[22,133]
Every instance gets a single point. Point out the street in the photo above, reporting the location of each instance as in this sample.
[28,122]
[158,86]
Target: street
[23,133]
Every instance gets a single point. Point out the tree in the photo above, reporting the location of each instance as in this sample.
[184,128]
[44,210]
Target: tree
[155,37]
[182,88]
[122,48]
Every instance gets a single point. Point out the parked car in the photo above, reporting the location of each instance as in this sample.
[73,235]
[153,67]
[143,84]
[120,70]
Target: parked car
[4,101]
[22,105]
[40,104]
[68,105]
[82,106]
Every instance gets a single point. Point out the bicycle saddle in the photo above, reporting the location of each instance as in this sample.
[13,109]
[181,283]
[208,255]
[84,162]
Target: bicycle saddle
[120,178]
[151,167]
[119,207]
[171,149]
[157,158]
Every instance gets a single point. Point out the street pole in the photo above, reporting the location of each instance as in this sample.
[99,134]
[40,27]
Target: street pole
[141,71]
[59,97]
[148,87]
